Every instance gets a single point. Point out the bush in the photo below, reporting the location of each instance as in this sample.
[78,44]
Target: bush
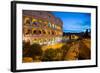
[26,45]
[59,54]
[26,48]
[35,50]
[32,50]
[49,55]
[52,55]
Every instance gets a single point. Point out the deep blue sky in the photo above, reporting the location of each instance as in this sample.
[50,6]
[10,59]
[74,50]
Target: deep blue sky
[74,21]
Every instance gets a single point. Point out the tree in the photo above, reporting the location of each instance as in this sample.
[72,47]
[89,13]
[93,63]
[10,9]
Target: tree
[86,34]
[35,50]
[52,55]
[59,54]
[49,55]
[26,48]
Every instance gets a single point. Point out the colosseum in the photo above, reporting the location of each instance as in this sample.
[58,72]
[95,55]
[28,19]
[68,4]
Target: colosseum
[41,27]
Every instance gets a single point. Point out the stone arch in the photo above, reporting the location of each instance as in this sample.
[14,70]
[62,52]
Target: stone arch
[26,31]
[43,31]
[39,32]
[53,33]
[27,21]
[34,31]
[49,32]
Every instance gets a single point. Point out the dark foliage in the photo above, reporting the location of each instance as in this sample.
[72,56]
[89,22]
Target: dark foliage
[26,48]
[49,55]
[35,50]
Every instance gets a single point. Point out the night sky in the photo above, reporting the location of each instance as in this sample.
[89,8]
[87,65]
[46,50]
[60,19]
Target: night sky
[74,21]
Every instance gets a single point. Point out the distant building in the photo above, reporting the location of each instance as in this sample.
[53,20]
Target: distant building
[41,27]
[71,36]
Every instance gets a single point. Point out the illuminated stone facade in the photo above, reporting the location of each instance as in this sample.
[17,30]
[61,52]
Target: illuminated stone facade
[41,27]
